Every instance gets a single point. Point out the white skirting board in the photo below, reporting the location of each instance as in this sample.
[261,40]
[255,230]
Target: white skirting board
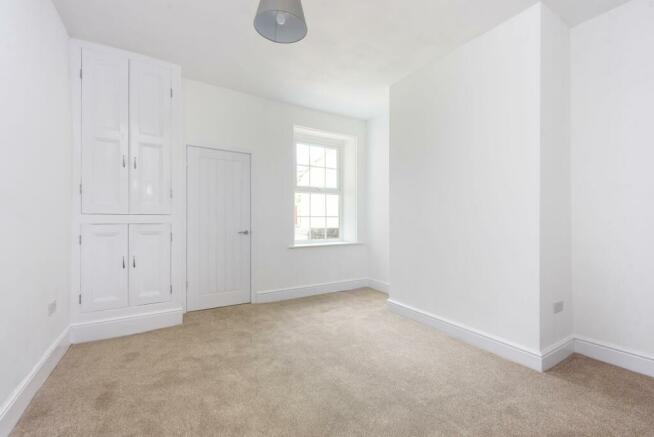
[490,343]
[382,286]
[18,401]
[308,290]
[125,325]
[618,356]
[540,361]
[556,353]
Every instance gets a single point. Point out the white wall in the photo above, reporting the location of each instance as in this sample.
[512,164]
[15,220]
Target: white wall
[377,201]
[232,120]
[35,185]
[555,263]
[613,177]
[464,184]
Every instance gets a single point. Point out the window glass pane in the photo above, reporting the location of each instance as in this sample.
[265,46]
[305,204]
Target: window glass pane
[318,194]
[331,178]
[331,158]
[317,205]
[302,228]
[317,228]
[332,205]
[317,177]
[317,155]
[317,233]
[332,233]
[302,154]
[332,222]
[303,176]
[302,204]
[317,222]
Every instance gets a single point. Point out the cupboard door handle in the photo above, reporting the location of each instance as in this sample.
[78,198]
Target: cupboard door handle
[134,262]
[124,162]
[135,163]
[123,262]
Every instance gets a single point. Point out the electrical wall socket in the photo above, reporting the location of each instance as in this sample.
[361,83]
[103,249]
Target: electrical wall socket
[558,307]
[52,307]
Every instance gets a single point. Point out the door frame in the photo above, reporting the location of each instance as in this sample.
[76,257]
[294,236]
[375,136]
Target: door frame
[229,150]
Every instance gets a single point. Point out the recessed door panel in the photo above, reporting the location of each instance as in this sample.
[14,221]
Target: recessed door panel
[150,138]
[104,267]
[104,133]
[149,278]
[218,228]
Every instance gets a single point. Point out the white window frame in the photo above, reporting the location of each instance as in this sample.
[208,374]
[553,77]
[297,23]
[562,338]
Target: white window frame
[326,143]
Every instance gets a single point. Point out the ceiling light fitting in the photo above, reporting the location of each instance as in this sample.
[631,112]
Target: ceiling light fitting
[281,21]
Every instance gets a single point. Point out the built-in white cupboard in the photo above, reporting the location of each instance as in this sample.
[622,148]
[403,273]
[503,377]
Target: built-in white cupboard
[126,124]
[124,264]
[128,265]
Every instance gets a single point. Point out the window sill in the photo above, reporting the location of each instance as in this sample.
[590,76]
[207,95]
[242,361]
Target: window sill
[334,243]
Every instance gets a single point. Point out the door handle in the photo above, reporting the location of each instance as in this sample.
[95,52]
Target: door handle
[124,161]
[244,232]
[123,262]
[135,163]
[133,262]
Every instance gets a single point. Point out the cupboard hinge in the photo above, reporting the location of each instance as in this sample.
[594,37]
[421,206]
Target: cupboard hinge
[80,239]
[171,93]
[171,288]
[79,298]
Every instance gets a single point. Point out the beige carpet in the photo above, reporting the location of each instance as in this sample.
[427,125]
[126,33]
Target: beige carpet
[332,365]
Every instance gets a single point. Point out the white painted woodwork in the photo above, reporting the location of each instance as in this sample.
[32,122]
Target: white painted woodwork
[165,308]
[104,123]
[104,267]
[149,263]
[218,214]
[150,126]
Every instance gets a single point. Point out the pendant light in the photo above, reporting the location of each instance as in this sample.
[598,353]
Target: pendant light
[280,21]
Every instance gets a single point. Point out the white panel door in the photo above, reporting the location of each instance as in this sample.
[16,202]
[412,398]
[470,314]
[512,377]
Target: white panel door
[104,267]
[149,262]
[104,133]
[150,120]
[218,228]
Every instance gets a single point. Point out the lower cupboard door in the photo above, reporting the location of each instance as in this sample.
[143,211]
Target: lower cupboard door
[103,267]
[149,263]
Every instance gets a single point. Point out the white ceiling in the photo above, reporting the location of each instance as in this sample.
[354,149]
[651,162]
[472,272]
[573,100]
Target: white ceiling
[354,50]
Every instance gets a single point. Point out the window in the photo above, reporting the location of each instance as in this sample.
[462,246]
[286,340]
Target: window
[318,193]
[325,191]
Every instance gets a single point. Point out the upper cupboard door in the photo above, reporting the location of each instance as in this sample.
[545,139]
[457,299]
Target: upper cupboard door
[150,137]
[104,133]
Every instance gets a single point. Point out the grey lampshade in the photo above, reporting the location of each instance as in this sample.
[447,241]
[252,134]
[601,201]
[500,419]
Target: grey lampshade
[280,21]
